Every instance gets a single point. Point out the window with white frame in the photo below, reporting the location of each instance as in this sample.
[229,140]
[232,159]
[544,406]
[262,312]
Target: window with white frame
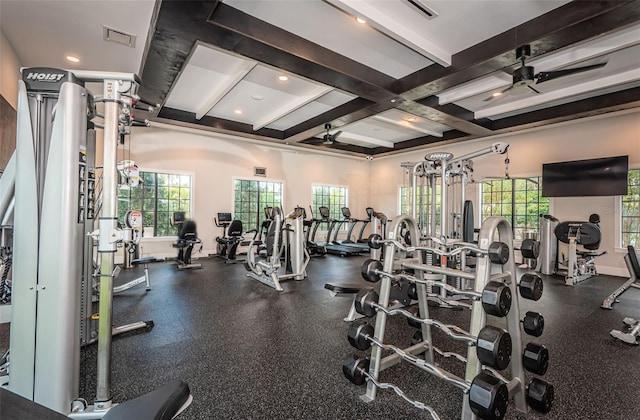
[519,200]
[423,204]
[157,197]
[630,211]
[332,196]
[250,199]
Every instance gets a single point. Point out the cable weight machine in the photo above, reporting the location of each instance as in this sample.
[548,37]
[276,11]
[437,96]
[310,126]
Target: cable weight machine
[55,208]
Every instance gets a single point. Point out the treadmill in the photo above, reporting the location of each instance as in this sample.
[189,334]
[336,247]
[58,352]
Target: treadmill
[331,248]
[346,218]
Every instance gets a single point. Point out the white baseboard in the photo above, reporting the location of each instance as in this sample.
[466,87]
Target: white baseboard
[612,271]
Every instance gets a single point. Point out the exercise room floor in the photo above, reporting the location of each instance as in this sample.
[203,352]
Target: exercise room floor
[249,352]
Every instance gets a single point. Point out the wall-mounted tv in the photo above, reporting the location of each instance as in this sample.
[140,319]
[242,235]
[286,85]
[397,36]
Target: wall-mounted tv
[590,177]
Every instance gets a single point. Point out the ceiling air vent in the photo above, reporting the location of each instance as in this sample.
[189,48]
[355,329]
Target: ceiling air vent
[423,8]
[119,37]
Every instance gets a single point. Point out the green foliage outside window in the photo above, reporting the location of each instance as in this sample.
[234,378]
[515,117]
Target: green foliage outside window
[333,197]
[250,199]
[423,205]
[631,211]
[519,200]
[157,197]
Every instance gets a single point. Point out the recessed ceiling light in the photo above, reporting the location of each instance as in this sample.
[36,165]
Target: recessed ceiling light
[257,97]
[283,78]
[411,119]
[360,20]
[497,94]
[238,111]
[73,59]
[393,101]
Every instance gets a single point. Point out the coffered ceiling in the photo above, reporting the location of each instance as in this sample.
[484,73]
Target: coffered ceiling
[417,72]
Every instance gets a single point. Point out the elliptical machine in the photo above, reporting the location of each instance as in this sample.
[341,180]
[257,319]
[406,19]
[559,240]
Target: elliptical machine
[285,241]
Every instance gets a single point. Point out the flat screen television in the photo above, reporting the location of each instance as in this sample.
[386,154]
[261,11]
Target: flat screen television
[590,177]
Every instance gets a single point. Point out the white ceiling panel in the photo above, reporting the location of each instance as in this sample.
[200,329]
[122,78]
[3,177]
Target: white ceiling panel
[261,94]
[321,105]
[43,32]
[327,26]
[207,76]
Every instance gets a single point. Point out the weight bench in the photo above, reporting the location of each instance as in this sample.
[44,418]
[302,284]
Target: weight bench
[164,403]
[347,290]
[142,279]
[398,294]
[633,325]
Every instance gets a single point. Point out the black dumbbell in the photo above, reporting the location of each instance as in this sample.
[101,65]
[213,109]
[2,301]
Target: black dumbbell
[488,397]
[535,358]
[358,333]
[416,338]
[540,395]
[400,291]
[355,368]
[412,291]
[530,286]
[499,253]
[530,248]
[533,323]
[493,347]
[369,269]
[411,321]
[364,300]
[375,241]
[496,299]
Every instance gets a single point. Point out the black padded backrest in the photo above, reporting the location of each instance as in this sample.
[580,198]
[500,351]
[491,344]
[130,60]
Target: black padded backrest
[467,221]
[188,230]
[235,228]
[590,233]
[633,258]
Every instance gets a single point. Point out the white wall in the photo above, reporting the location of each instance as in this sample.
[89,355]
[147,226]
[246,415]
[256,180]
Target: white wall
[9,71]
[609,135]
[215,160]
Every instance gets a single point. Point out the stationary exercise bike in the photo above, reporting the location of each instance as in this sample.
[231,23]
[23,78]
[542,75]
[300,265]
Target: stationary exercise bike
[581,263]
[187,239]
[232,238]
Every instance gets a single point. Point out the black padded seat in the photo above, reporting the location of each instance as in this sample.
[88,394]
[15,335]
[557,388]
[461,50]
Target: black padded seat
[145,260]
[345,288]
[160,404]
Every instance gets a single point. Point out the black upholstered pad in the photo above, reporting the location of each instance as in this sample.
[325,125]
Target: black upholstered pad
[144,260]
[344,288]
[160,404]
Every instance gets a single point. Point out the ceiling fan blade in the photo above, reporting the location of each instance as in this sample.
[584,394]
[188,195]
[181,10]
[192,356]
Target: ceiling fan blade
[498,94]
[335,136]
[545,76]
[533,89]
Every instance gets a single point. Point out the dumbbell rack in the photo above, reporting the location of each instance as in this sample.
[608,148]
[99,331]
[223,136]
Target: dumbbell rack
[423,278]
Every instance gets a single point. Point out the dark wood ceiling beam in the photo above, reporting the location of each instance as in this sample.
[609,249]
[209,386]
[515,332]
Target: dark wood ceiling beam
[222,125]
[177,27]
[570,23]
[419,142]
[440,115]
[269,44]
[596,105]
